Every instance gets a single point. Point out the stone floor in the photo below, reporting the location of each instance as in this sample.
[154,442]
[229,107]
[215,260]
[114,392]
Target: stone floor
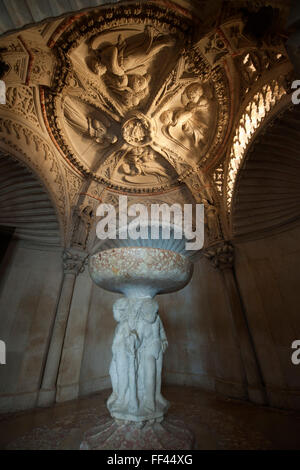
[217,422]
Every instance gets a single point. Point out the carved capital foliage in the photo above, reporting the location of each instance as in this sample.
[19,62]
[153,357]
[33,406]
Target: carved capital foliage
[74,262]
[221,255]
[204,192]
[20,100]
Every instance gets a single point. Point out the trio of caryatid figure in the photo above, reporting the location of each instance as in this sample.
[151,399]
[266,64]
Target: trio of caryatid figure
[135,370]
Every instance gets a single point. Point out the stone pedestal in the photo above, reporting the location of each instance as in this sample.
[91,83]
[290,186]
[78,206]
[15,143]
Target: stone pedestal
[136,404]
[136,365]
[169,434]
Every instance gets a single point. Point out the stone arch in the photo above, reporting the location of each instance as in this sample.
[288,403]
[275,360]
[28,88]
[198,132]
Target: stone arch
[25,204]
[22,144]
[267,195]
[266,102]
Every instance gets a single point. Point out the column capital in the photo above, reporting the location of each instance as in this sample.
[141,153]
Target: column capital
[204,192]
[220,255]
[74,261]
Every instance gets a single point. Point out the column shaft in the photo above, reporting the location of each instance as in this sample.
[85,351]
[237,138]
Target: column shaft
[255,384]
[48,388]
[67,385]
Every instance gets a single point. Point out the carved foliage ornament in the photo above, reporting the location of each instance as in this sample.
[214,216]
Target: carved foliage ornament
[256,111]
[135,104]
[221,256]
[73,263]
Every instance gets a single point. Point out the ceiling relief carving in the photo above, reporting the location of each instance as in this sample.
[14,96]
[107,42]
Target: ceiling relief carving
[21,100]
[141,100]
[135,104]
[29,63]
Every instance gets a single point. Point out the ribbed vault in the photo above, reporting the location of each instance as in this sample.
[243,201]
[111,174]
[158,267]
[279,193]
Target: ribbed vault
[267,194]
[25,205]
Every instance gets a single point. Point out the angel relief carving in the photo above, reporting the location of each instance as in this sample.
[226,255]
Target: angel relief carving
[138,149]
[88,126]
[134,117]
[140,165]
[188,124]
[124,64]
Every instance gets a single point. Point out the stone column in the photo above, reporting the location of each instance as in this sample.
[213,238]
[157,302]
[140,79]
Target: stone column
[73,263]
[67,385]
[222,257]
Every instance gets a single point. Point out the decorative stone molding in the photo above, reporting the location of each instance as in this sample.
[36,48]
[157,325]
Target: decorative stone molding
[218,178]
[21,101]
[74,185]
[255,113]
[254,63]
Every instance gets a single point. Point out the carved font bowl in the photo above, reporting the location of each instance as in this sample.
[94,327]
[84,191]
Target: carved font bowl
[140,271]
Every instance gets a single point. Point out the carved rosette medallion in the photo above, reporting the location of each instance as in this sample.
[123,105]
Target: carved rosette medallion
[135,103]
[137,130]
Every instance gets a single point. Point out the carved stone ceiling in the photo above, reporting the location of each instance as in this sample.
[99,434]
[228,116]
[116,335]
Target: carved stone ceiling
[138,98]
[134,104]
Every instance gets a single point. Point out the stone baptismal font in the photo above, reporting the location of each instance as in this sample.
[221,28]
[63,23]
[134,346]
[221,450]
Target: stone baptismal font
[136,405]
[140,105]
